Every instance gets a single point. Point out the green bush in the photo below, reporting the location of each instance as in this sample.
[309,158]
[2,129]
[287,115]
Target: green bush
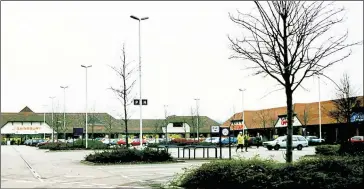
[153,145]
[125,155]
[356,149]
[328,150]
[321,172]
[77,145]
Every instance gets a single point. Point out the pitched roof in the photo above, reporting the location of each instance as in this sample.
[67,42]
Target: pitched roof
[100,121]
[254,119]
[26,109]
[151,125]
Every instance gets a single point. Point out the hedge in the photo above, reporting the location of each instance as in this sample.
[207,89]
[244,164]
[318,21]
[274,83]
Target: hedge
[356,149]
[321,172]
[327,150]
[91,144]
[125,155]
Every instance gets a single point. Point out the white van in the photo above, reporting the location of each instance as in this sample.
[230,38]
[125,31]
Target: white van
[298,142]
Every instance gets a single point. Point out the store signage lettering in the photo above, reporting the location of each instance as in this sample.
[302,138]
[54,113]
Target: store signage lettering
[27,128]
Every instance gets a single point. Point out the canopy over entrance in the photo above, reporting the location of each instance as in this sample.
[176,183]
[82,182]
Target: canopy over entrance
[26,128]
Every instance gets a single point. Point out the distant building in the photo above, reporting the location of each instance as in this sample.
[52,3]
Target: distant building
[28,124]
[269,122]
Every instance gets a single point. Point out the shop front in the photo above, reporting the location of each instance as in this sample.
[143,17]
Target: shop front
[19,130]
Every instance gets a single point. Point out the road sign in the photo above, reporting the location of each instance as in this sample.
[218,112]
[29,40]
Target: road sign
[215,129]
[136,102]
[225,132]
[144,102]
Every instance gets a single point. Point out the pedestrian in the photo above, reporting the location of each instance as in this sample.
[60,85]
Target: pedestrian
[240,142]
[259,139]
[246,142]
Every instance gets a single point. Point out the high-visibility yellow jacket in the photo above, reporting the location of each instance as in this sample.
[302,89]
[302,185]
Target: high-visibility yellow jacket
[240,139]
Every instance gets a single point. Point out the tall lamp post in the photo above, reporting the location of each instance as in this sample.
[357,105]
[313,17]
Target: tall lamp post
[52,97]
[88,66]
[198,136]
[140,81]
[64,110]
[44,119]
[242,103]
[319,91]
[166,123]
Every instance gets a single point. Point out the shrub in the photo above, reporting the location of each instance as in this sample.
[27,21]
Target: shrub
[321,172]
[75,146]
[351,149]
[327,149]
[125,155]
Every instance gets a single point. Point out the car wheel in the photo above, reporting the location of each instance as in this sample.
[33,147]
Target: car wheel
[276,147]
[299,147]
[270,148]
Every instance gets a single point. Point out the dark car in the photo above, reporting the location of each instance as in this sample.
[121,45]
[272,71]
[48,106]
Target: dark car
[34,142]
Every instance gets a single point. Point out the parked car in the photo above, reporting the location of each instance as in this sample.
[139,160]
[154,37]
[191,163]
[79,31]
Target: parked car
[357,139]
[214,140]
[34,142]
[298,142]
[72,140]
[225,141]
[136,142]
[27,142]
[109,141]
[314,139]
[44,142]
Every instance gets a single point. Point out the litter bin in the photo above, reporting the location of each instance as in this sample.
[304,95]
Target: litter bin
[8,142]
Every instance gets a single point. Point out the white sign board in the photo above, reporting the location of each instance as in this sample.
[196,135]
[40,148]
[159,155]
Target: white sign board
[283,122]
[215,129]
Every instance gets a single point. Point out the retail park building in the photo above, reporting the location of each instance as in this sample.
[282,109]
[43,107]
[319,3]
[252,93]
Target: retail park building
[267,122]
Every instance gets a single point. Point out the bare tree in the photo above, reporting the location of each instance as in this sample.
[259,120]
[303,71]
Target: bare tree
[123,91]
[289,41]
[346,100]
[306,118]
[92,121]
[158,124]
[193,122]
[263,116]
[109,125]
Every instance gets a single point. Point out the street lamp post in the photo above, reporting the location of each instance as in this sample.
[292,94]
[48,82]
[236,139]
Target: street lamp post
[140,80]
[88,66]
[166,123]
[44,118]
[319,91]
[198,136]
[52,97]
[64,110]
[242,103]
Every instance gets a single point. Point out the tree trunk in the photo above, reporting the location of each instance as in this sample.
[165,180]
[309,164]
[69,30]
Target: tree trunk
[289,125]
[92,128]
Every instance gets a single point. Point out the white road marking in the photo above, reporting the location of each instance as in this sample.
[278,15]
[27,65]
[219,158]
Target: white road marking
[35,174]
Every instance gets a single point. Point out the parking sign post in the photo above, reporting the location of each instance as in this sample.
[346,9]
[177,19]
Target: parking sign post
[225,132]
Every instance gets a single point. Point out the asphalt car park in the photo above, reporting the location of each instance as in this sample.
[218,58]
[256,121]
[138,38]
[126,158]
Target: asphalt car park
[26,166]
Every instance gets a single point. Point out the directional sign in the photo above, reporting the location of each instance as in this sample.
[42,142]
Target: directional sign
[215,129]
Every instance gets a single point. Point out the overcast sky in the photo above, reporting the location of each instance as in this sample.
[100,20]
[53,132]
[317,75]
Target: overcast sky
[185,54]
